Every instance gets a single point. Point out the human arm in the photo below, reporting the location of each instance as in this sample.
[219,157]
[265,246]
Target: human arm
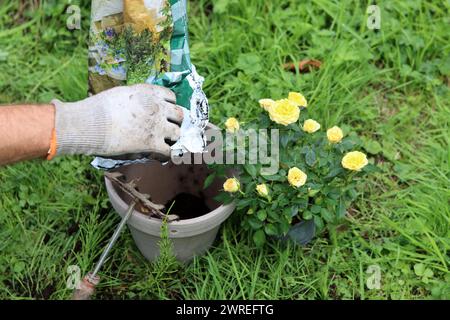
[25,132]
[120,121]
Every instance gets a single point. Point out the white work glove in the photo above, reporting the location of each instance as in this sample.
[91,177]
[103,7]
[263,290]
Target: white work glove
[120,121]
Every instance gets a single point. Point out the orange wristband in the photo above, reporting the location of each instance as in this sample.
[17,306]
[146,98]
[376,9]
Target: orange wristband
[52,151]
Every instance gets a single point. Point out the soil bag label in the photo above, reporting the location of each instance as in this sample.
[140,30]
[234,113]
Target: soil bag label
[146,41]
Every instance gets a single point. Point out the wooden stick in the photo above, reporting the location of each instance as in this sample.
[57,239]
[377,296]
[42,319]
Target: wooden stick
[144,199]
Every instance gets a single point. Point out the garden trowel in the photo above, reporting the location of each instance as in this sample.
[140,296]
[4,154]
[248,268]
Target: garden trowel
[87,286]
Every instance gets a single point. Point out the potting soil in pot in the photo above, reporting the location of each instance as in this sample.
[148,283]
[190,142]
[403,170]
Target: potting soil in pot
[187,206]
[168,183]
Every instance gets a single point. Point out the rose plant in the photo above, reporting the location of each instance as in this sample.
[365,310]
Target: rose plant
[317,177]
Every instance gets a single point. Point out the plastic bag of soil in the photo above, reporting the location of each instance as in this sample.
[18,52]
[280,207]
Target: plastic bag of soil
[146,41]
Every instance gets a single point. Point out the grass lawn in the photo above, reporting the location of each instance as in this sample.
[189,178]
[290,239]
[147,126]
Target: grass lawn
[390,85]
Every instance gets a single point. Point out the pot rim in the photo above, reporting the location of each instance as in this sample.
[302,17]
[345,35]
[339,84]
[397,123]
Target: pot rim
[216,214]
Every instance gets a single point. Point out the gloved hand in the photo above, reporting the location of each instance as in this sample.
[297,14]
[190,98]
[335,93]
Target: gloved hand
[119,121]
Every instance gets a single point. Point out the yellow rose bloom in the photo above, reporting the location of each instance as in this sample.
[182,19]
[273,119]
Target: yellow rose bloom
[231,185]
[266,104]
[262,190]
[354,160]
[311,126]
[296,177]
[232,125]
[335,134]
[298,99]
[284,112]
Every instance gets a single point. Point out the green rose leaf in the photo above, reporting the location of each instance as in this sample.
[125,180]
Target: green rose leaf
[255,223]
[262,215]
[318,222]
[224,198]
[251,170]
[370,168]
[259,237]
[310,157]
[209,180]
[287,212]
[302,203]
[334,172]
[294,211]
[274,177]
[273,215]
[342,210]
[244,203]
[285,226]
[307,215]
[315,209]
[304,150]
[271,229]
[346,144]
[297,129]
[250,187]
[285,140]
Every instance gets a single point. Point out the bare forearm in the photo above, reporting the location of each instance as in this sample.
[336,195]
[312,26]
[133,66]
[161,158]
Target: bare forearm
[25,132]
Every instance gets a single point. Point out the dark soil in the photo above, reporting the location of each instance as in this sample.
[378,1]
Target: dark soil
[187,206]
